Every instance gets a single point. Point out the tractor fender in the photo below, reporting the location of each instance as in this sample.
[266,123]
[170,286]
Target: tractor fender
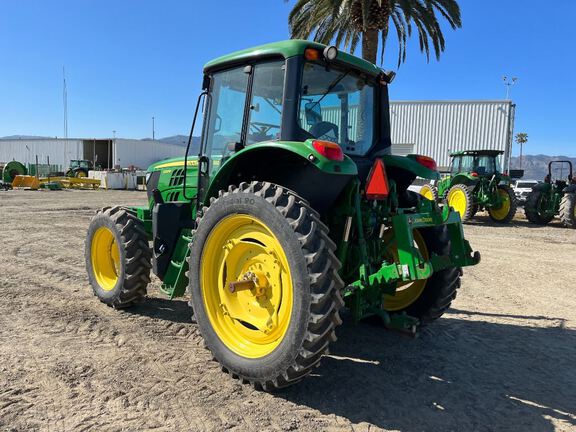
[464,179]
[570,189]
[542,187]
[293,165]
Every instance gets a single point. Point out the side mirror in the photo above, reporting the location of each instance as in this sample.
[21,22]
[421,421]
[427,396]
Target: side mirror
[313,112]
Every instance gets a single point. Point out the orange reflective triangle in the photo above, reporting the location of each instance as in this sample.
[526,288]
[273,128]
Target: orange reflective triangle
[377,183]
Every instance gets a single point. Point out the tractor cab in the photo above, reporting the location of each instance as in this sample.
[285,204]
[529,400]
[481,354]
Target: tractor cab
[476,163]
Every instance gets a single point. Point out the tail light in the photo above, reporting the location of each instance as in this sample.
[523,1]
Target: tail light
[427,162]
[329,150]
[377,183]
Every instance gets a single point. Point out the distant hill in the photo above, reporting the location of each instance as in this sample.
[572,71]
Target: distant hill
[536,166]
[182,140]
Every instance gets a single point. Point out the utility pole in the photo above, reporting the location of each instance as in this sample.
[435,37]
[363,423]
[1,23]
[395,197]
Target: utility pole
[153,132]
[509,83]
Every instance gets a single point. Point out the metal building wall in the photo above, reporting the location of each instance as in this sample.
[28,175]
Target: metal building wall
[143,153]
[60,151]
[437,128]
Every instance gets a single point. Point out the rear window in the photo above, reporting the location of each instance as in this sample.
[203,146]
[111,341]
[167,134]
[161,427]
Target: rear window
[525,184]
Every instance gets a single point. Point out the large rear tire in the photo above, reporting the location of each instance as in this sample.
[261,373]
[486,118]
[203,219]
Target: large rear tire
[460,198]
[535,208]
[505,213]
[275,331]
[568,210]
[428,299]
[118,257]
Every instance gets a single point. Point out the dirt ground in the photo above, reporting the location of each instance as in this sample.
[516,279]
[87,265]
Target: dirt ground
[504,358]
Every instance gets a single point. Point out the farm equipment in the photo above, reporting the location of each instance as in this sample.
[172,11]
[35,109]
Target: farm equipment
[273,228]
[10,170]
[79,168]
[556,196]
[475,183]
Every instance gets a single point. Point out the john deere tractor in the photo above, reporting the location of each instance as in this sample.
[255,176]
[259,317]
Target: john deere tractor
[475,183]
[556,196]
[293,208]
[79,168]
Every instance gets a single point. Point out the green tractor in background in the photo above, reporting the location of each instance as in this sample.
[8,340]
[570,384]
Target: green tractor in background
[475,183]
[556,196]
[79,168]
[293,209]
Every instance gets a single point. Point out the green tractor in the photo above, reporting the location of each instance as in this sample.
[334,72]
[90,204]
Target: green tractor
[475,183]
[556,196]
[293,208]
[79,168]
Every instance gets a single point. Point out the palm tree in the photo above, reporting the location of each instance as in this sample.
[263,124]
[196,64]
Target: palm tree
[349,21]
[521,139]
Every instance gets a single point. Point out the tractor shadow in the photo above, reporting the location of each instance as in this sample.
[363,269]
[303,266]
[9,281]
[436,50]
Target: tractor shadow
[459,374]
[176,311]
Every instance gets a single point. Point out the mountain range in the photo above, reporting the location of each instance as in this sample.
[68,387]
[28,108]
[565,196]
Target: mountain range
[536,166]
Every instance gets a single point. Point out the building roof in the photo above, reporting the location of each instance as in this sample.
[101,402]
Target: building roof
[478,153]
[286,49]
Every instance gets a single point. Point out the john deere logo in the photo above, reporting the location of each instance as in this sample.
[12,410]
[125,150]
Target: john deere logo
[424,220]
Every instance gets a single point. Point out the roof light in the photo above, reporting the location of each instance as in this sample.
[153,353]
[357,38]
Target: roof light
[427,162]
[311,54]
[329,150]
[330,53]
[377,183]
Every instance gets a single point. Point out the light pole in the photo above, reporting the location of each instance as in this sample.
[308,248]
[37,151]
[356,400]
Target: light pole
[153,132]
[509,83]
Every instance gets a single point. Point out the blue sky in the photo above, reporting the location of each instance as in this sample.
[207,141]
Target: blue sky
[129,60]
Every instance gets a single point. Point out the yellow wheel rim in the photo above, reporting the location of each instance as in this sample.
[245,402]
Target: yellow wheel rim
[457,200]
[407,292]
[250,322]
[80,174]
[501,212]
[426,192]
[105,257]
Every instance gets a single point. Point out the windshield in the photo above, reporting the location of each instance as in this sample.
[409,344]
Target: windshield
[338,106]
[482,164]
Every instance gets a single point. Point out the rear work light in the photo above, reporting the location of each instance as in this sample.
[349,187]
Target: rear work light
[474,174]
[329,150]
[427,162]
[377,183]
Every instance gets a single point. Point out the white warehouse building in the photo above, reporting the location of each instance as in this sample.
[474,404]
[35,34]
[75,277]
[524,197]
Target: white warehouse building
[438,128]
[106,153]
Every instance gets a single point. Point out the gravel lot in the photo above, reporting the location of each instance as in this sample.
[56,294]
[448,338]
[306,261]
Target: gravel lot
[504,358]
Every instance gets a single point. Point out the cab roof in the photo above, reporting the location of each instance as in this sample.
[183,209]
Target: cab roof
[286,49]
[477,153]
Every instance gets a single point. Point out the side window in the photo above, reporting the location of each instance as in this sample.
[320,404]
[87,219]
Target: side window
[226,113]
[455,165]
[467,164]
[266,102]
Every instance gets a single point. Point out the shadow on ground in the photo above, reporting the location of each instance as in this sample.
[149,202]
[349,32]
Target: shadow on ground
[458,375]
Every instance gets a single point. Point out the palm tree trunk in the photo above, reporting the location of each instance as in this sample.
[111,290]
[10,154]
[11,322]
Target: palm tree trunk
[370,45]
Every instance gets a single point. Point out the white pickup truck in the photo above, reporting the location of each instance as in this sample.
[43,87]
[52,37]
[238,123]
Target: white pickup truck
[522,188]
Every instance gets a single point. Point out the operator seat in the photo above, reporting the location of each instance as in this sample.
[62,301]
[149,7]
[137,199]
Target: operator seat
[325,130]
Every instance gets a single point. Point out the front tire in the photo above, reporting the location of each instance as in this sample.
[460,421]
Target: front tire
[118,257]
[505,213]
[275,331]
[460,198]
[429,192]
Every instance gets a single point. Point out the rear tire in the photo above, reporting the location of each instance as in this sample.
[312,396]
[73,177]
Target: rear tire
[441,287]
[568,210]
[532,208]
[314,291]
[460,198]
[118,257]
